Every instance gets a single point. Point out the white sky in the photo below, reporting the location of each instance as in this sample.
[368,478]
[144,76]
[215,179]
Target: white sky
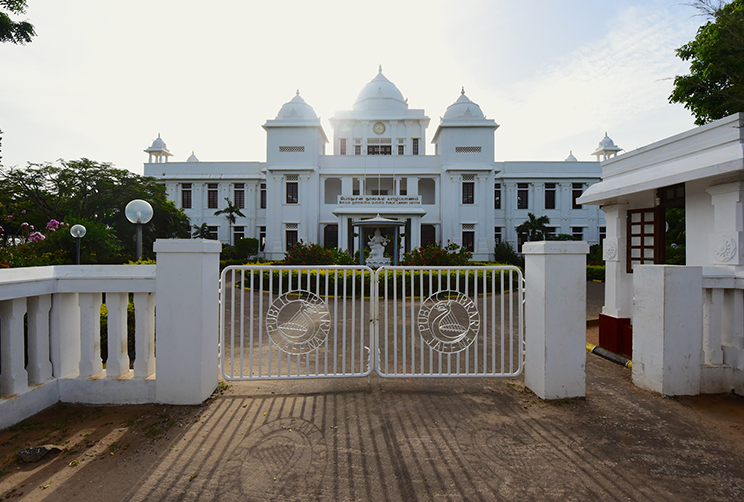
[102,78]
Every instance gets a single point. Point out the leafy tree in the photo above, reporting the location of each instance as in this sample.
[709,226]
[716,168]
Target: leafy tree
[17,32]
[715,86]
[93,191]
[231,212]
[201,231]
[535,228]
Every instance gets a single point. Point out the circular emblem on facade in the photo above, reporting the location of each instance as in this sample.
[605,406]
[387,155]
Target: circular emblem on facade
[448,321]
[379,128]
[725,249]
[298,322]
[610,250]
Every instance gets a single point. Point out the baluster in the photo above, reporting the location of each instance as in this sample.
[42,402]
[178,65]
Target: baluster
[64,331]
[13,379]
[90,334]
[144,334]
[39,366]
[117,363]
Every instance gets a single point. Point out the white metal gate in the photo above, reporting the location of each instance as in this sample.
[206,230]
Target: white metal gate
[282,322]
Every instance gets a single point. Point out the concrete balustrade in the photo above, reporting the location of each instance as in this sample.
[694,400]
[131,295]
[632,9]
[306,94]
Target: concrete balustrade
[61,336]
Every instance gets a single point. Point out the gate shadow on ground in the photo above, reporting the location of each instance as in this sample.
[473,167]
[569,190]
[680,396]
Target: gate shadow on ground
[474,439]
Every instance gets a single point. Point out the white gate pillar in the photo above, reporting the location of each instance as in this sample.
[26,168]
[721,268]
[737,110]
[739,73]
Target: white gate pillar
[555,318]
[187,288]
[667,328]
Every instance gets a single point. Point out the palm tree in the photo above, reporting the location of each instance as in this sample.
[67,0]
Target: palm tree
[535,228]
[201,232]
[231,211]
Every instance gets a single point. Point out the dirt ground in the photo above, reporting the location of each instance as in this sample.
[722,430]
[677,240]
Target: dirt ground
[382,439]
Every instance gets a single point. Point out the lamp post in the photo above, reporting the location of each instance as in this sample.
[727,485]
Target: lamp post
[78,232]
[138,212]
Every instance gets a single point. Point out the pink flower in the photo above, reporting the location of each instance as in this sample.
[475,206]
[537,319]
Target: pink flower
[36,237]
[23,212]
[52,225]
[24,224]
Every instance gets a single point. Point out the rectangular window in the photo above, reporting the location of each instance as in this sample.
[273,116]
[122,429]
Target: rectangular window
[497,196]
[293,189]
[261,238]
[415,146]
[602,234]
[523,197]
[357,149]
[214,233]
[291,238]
[403,186]
[576,191]
[468,240]
[379,150]
[468,192]
[578,233]
[342,146]
[549,195]
[551,231]
[186,195]
[497,236]
[379,192]
[212,196]
[401,150]
[238,233]
[263,195]
[239,195]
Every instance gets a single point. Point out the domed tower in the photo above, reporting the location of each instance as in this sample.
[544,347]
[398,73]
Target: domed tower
[465,135]
[295,136]
[158,151]
[380,123]
[606,149]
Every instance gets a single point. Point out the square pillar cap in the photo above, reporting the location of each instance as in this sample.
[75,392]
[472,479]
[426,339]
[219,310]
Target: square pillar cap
[555,247]
[187,246]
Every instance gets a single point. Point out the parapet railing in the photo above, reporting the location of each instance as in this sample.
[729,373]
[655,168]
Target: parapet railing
[50,324]
[723,320]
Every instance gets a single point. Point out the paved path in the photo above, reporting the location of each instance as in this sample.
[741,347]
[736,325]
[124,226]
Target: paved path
[472,439]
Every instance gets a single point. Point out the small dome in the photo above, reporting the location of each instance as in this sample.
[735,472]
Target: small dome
[570,157]
[380,88]
[192,157]
[463,108]
[606,148]
[158,144]
[297,109]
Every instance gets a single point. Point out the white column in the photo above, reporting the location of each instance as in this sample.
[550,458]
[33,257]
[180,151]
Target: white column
[555,313]
[13,379]
[64,325]
[187,320]
[618,283]
[39,365]
[667,328]
[144,334]
[727,238]
[117,363]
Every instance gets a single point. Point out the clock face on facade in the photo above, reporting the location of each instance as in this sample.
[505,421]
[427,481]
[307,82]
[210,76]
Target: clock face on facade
[379,128]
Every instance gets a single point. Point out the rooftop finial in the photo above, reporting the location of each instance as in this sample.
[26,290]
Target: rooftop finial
[380,69]
[463,90]
[298,92]
[158,135]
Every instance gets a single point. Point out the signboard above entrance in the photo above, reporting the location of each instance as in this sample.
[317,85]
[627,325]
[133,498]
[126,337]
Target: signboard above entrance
[379,200]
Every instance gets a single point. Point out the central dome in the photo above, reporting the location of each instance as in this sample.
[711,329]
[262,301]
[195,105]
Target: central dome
[380,93]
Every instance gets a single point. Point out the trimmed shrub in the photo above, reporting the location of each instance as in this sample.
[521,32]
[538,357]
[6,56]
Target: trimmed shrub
[434,255]
[308,254]
[595,273]
[505,253]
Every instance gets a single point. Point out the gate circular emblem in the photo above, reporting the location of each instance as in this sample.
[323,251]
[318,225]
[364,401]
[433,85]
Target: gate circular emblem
[298,322]
[448,321]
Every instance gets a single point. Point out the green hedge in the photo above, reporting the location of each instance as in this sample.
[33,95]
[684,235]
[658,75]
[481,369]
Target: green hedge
[595,273]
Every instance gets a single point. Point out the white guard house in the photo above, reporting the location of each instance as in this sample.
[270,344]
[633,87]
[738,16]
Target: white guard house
[683,325]
[378,165]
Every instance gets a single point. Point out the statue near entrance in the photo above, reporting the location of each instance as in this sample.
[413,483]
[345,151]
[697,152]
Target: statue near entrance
[377,247]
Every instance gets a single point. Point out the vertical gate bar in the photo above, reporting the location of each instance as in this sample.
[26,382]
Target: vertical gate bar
[335,324]
[520,320]
[421,304]
[332,318]
[403,325]
[260,322]
[269,301]
[395,321]
[431,352]
[343,331]
[232,323]
[503,318]
[353,318]
[467,352]
[387,295]
[413,325]
[250,327]
[242,320]
[362,322]
[511,324]
[485,320]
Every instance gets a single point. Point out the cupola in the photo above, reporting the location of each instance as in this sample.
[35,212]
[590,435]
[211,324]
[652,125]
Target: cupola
[606,149]
[158,151]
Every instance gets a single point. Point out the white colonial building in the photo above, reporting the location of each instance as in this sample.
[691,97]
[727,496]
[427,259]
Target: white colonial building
[378,166]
